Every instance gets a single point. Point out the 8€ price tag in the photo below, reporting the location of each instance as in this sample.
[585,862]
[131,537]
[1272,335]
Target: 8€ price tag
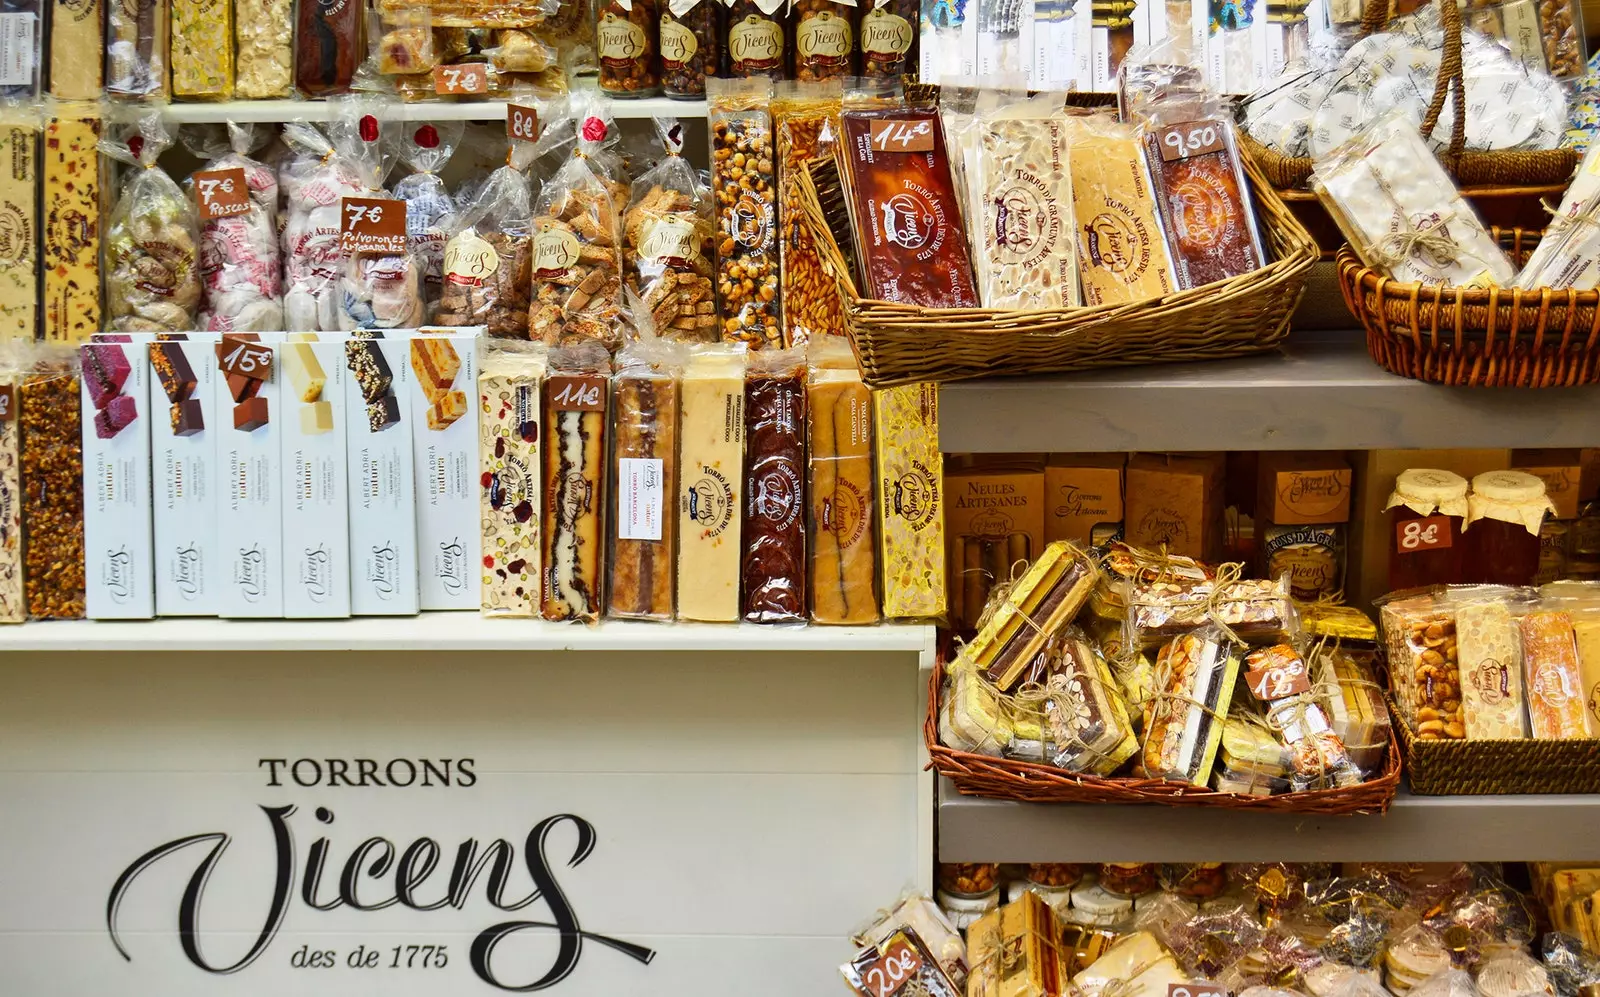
[244,358]
[901,135]
[1412,536]
[8,402]
[466,78]
[1191,138]
[372,226]
[221,193]
[522,123]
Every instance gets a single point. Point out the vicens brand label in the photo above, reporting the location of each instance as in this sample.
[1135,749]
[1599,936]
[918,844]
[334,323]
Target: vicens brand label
[621,41]
[678,43]
[756,43]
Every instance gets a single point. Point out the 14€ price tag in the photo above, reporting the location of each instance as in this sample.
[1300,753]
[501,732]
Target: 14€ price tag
[901,135]
[244,358]
[1191,138]
[221,193]
[522,123]
[1412,536]
[467,78]
[372,226]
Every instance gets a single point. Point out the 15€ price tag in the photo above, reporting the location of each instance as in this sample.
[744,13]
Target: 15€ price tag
[522,123]
[221,193]
[372,226]
[467,78]
[890,971]
[1412,536]
[900,135]
[577,394]
[8,402]
[1191,138]
[244,358]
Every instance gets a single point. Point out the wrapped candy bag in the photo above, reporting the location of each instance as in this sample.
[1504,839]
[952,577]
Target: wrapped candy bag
[240,260]
[1569,966]
[152,239]
[667,240]
[577,259]
[425,149]
[314,183]
[489,254]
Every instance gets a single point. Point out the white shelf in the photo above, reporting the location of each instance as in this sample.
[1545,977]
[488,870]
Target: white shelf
[1416,829]
[318,110]
[451,632]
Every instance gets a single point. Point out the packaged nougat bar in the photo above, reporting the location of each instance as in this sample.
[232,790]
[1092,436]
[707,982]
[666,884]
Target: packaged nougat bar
[774,567]
[136,48]
[71,195]
[19,264]
[644,443]
[573,535]
[76,40]
[511,500]
[1183,720]
[1550,668]
[202,49]
[1489,655]
[1029,258]
[12,607]
[52,486]
[1122,255]
[909,501]
[844,563]
[711,483]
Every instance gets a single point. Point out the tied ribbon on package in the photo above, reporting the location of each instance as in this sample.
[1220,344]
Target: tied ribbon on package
[1433,239]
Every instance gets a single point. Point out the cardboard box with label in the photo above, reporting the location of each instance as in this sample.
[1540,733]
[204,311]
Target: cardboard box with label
[444,436]
[184,428]
[117,542]
[1561,470]
[383,488]
[1083,497]
[994,524]
[316,535]
[249,458]
[1176,501]
[1303,489]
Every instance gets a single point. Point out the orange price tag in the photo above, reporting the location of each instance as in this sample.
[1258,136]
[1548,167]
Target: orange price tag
[1412,536]
[244,358]
[1195,990]
[221,193]
[522,123]
[468,78]
[8,402]
[577,394]
[899,135]
[372,226]
[1279,681]
[890,971]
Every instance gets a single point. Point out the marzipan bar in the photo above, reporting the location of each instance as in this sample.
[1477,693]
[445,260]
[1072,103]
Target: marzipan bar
[843,555]
[645,461]
[574,476]
[711,484]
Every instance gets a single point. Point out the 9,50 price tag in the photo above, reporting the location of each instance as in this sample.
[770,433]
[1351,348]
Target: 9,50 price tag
[522,123]
[900,135]
[244,358]
[221,193]
[1192,138]
[467,78]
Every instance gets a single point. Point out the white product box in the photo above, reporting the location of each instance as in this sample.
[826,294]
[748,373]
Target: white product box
[444,435]
[383,503]
[249,504]
[316,507]
[949,43]
[184,427]
[117,539]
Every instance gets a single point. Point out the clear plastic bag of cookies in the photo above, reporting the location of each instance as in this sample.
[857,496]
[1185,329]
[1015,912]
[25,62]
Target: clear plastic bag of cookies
[425,148]
[489,253]
[152,237]
[241,261]
[315,182]
[668,248]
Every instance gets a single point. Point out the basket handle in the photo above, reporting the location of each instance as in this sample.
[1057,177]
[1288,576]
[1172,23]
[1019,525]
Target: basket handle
[1375,16]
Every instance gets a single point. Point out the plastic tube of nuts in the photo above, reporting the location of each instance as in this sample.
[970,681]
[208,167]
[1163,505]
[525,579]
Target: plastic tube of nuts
[807,123]
[52,485]
[744,185]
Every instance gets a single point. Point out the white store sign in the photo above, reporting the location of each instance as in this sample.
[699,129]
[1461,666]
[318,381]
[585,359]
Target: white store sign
[419,824]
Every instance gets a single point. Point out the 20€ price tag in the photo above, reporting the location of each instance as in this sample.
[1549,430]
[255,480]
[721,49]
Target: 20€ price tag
[221,193]
[467,78]
[1195,990]
[244,358]
[8,402]
[522,123]
[900,135]
[1412,536]
[372,225]
[890,971]
[1191,138]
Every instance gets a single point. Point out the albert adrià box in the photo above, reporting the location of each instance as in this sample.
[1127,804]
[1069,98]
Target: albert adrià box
[316,516]
[116,482]
[183,447]
[383,505]
[444,435]
[249,458]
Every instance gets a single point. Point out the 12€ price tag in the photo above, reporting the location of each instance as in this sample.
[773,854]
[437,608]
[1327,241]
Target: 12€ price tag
[221,193]
[901,135]
[522,123]
[466,78]
[1191,138]
[8,402]
[372,226]
[1279,681]
[244,358]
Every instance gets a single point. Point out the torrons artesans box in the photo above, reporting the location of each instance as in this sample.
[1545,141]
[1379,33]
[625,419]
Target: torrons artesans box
[116,482]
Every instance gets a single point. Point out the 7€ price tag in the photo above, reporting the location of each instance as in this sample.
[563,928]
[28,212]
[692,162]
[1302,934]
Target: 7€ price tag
[467,78]
[372,226]
[221,193]
[1195,990]
[245,358]
[901,135]
[522,123]
[576,394]
[890,971]
[8,402]
[1192,138]
[1412,536]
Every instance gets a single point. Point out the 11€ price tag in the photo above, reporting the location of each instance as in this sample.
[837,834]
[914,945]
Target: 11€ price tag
[890,971]
[372,226]
[8,402]
[1412,536]
[577,394]
[244,358]
[522,123]
[1191,138]
[221,193]
[900,135]
[467,78]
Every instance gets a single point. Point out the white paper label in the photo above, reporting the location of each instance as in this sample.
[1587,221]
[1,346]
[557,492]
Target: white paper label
[17,49]
[639,498]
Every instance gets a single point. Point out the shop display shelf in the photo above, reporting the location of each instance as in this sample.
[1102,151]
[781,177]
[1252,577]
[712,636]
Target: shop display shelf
[1320,392]
[464,632]
[1416,829]
[319,110]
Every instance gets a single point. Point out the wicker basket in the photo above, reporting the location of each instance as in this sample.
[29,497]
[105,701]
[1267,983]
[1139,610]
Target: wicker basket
[898,343]
[1031,782]
[1491,337]
[1479,768]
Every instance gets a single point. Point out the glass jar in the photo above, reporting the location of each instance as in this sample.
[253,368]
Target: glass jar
[1094,906]
[690,45]
[1127,879]
[625,33]
[962,912]
[757,39]
[1426,512]
[824,38]
[1054,874]
[968,879]
[1583,558]
[1554,537]
[1501,532]
[1195,880]
[888,34]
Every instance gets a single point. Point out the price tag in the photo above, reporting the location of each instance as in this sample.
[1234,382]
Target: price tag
[890,971]
[8,402]
[900,135]
[1192,138]
[577,394]
[1412,536]
[1195,990]
[467,78]
[522,123]
[244,358]
[372,225]
[221,193]
[1279,681]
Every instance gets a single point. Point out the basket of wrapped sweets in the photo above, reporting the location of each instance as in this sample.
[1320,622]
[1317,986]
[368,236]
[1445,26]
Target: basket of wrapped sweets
[1494,688]
[1000,234]
[1143,677]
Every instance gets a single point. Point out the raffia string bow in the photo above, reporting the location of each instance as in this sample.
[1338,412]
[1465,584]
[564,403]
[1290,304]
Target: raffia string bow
[1398,247]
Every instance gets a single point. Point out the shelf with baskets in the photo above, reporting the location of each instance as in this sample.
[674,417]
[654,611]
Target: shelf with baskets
[317,110]
[1416,828]
[1314,393]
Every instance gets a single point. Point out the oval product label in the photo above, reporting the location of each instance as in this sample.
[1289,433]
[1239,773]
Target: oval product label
[555,251]
[678,43]
[621,41]
[824,38]
[670,241]
[885,36]
[756,43]
[470,261]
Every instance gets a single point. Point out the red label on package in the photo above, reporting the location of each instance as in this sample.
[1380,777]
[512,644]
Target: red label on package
[577,394]
[1192,138]
[467,78]
[8,402]
[247,359]
[221,193]
[373,225]
[896,135]
[1279,681]
[1195,990]
[890,971]
[522,123]
[1429,533]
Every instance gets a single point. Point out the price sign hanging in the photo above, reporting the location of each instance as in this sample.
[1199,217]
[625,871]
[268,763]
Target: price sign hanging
[902,135]
[1191,138]
[1279,681]
[890,971]
[221,193]
[1195,990]
[1413,536]
[372,226]
[577,394]
[469,78]
[8,402]
[244,358]
[522,123]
